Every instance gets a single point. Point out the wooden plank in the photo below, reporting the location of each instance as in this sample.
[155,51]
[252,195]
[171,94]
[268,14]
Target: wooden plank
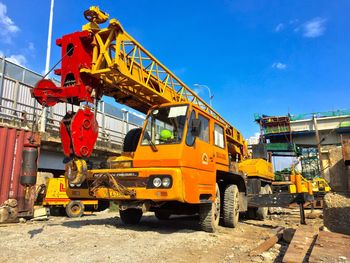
[300,245]
[268,243]
[331,247]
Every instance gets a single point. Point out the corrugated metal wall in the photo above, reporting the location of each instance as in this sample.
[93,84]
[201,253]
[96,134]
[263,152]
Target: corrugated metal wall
[11,147]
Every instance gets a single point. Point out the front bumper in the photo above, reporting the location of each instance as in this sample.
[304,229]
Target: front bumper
[136,179]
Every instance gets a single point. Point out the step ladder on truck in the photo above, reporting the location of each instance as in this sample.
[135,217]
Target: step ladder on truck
[186,159]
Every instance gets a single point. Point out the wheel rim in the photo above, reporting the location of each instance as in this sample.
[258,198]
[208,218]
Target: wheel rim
[75,209]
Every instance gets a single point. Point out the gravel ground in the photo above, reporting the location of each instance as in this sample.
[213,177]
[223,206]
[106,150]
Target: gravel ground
[102,237]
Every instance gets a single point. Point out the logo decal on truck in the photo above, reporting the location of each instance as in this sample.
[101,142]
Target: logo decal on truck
[204,158]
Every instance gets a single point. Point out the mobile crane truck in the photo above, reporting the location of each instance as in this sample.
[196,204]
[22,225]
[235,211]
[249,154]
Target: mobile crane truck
[186,159]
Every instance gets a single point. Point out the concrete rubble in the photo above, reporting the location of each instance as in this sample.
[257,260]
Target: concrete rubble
[336,213]
[8,211]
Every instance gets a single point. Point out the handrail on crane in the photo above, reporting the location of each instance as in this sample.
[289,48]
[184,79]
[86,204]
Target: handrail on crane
[121,62]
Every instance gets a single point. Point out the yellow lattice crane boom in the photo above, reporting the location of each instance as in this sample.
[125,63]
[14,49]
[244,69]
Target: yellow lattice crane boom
[134,77]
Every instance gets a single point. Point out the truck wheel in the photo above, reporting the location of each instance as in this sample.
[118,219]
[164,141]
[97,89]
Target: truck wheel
[131,140]
[261,212]
[75,209]
[209,214]
[162,214]
[231,206]
[131,216]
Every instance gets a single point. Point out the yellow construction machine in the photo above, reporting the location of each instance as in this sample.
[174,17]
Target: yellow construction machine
[57,200]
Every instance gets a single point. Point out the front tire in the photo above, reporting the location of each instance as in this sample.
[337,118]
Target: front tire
[131,216]
[231,206]
[75,209]
[209,214]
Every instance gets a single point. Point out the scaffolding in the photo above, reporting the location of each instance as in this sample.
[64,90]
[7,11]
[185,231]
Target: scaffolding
[276,132]
[310,163]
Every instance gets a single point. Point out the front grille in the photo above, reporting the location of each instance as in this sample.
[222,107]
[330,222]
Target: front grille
[130,182]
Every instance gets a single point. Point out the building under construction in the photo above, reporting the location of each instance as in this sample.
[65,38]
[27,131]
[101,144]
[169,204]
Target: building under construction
[319,139]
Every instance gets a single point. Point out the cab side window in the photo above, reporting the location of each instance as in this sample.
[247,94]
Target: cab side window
[219,136]
[190,138]
[204,133]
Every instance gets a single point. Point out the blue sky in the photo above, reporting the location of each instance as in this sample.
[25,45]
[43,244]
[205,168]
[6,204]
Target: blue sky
[262,56]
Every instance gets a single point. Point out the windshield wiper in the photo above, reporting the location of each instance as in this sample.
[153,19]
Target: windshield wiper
[151,143]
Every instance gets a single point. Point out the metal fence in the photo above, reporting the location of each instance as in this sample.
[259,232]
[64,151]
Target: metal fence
[19,108]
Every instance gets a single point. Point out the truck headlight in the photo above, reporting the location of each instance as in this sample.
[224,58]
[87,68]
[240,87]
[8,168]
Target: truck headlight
[160,181]
[157,182]
[166,182]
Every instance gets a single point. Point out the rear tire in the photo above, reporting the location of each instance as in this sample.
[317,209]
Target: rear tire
[209,214]
[131,140]
[131,216]
[162,214]
[75,209]
[231,206]
[259,213]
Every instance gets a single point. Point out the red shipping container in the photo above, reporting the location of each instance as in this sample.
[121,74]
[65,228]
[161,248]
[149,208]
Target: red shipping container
[12,142]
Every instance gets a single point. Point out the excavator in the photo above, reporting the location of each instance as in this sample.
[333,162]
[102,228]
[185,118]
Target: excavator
[186,159]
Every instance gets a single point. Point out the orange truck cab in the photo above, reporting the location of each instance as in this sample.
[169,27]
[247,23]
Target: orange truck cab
[179,163]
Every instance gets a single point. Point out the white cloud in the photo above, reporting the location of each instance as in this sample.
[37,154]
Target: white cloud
[279,65]
[17,59]
[314,27]
[279,27]
[31,46]
[7,27]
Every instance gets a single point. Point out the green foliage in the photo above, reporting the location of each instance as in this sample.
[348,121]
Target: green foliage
[280,175]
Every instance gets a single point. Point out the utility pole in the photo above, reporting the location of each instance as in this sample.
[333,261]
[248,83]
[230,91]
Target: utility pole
[318,141]
[47,65]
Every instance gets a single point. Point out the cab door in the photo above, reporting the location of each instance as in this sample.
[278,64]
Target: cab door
[219,147]
[199,150]
[199,173]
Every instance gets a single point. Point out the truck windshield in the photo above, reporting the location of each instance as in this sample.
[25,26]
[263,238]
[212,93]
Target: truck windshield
[165,125]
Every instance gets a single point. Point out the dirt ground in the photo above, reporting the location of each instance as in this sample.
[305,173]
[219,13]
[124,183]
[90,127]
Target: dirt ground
[102,237]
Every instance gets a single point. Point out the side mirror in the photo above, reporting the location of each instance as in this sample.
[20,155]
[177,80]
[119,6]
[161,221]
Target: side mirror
[196,127]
